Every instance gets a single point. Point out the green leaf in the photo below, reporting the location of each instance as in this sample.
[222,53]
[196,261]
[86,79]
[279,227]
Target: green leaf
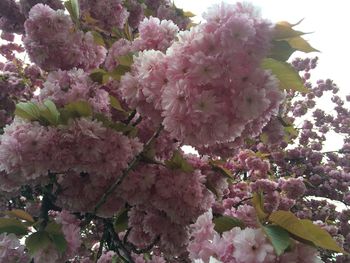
[115,103]
[59,241]
[20,214]
[289,79]
[37,241]
[53,228]
[72,7]
[114,259]
[12,225]
[121,223]
[298,43]
[218,166]
[56,235]
[290,133]
[98,38]
[226,223]
[281,50]
[126,60]
[119,72]
[305,229]
[100,76]
[78,109]
[258,203]
[177,162]
[117,126]
[27,110]
[285,31]
[279,238]
[264,137]
[211,188]
[50,113]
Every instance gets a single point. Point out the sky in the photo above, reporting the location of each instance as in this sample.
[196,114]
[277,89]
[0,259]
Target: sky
[327,20]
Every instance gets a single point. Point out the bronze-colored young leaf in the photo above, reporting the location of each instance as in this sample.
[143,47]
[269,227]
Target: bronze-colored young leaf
[20,214]
[226,223]
[177,161]
[79,109]
[188,14]
[99,75]
[284,31]
[217,165]
[119,72]
[12,225]
[258,203]
[288,78]
[126,60]
[121,223]
[115,103]
[298,43]
[98,38]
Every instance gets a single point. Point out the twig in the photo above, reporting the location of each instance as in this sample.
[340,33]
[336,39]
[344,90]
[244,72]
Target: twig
[125,173]
[131,116]
[126,257]
[146,249]
[100,249]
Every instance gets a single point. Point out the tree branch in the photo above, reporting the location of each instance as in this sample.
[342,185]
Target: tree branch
[125,173]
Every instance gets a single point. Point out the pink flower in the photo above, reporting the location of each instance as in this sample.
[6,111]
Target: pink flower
[11,249]
[251,246]
[52,43]
[155,34]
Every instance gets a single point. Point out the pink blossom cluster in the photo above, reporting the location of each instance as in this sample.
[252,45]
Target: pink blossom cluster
[26,5]
[108,13]
[107,257]
[165,9]
[119,48]
[52,41]
[164,146]
[81,191]
[14,88]
[142,89]
[211,75]
[64,87]
[155,34]
[71,231]
[11,250]
[29,150]
[164,203]
[247,160]
[11,19]
[249,245]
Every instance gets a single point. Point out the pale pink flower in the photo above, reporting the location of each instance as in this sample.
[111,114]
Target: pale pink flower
[251,246]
